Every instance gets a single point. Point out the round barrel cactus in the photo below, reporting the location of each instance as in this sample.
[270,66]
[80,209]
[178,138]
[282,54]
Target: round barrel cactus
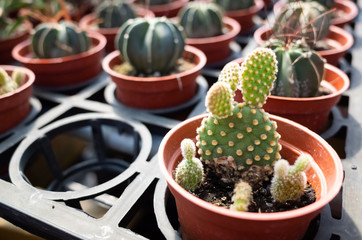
[300,70]
[156,2]
[231,5]
[327,3]
[113,13]
[201,19]
[52,40]
[307,20]
[151,45]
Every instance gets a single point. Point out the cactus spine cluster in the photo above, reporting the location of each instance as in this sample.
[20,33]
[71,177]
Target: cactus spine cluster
[190,171]
[53,40]
[113,13]
[10,83]
[301,70]
[201,19]
[231,5]
[151,45]
[289,182]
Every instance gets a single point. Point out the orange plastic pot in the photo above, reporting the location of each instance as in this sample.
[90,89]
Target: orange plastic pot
[15,106]
[169,10]
[339,39]
[202,220]
[88,24]
[217,48]
[156,92]
[66,71]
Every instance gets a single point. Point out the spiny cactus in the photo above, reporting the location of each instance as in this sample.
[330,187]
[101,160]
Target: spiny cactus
[151,45]
[113,13]
[156,2]
[190,171]
[201,19]
[241,132]
[301,69]
[327,3]
[9,84]
[289,182]
[52,40]
[242,197]
[307,20]
[232,5]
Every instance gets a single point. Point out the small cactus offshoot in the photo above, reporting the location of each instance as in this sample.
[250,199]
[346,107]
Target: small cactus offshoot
[289,182]
[242,197]
[190,171]
[9,84]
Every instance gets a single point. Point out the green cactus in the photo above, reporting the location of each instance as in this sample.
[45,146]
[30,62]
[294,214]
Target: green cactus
[242,197]
[232,5]
[241,132]
[289,182]
[301,69]
[189,172]
[53,40]
[156,2]
[308,20]
[201,19]
[113,13]
[151,45]
[9,84]
[327,3]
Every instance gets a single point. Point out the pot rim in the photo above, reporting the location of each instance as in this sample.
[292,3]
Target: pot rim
[31,60]
[259,4]
[31,78]
[170,6]
[198,53]
[309,209]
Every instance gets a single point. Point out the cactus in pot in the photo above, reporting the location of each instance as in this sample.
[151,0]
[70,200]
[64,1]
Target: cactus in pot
[11,83]
[237,141]
[327,3]
[232,5]
[156,2]
[151,46]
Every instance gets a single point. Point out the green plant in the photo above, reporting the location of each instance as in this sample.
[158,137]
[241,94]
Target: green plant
[151,46]
[301,70]
[155,2]
[232,5]
[10,83]
[242,197]
[327,3]
[52,40]
[201,19]
[113,13]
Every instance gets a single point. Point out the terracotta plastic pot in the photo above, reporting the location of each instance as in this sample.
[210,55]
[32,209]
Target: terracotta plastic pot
[7,45]
[87,23]
[15,106]
[311,112]
[169,9]
[202,220]
[66,71]
[217,48]
[339,39]
[245,16]
[156,92]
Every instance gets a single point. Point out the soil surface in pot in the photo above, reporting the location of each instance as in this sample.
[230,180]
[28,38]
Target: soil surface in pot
[219,193]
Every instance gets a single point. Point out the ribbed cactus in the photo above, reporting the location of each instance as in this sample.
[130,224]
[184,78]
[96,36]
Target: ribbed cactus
[151,45]
[232,5]
[301,69]
[307,20]
[9,84]
[289,182]
[242,197]
[241,132]
[52,40]
[201,19]
[189,172]
[156,2]
[327,3]
[113,13]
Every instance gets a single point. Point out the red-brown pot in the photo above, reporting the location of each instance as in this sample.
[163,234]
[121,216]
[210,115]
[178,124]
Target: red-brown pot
[156,92]
[169,10]
[202,220]
[87,23]
[217,48]
[340,40]
[245,16]
[66,71]
[6,45]
[15,106]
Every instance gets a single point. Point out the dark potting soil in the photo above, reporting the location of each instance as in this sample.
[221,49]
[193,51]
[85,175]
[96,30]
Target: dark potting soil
[219,193]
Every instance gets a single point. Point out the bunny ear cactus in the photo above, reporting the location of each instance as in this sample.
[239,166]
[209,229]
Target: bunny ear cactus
[53,40]
[151,45]
[113,13]
[241,134]
[201,19]
[232,5]
[301,70]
